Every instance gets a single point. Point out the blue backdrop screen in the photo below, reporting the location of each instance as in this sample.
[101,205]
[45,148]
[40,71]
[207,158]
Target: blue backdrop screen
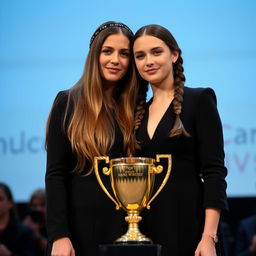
[43,46]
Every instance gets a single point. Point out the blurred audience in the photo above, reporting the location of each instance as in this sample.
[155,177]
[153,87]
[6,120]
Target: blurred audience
[246,237]
[36,219]
[226,238]
[15,238]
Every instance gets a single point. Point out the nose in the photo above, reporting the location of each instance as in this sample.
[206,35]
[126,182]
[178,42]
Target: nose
[149,61]
[115,59]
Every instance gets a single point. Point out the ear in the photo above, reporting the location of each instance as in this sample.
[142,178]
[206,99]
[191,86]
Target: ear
[175,56]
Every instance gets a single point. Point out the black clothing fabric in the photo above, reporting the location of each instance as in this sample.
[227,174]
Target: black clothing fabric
[18,239]
[197,179]
[77,207]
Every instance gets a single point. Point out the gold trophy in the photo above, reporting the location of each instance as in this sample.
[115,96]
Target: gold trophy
[132,181]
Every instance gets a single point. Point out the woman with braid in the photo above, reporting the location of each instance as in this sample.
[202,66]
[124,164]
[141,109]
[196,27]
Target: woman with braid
[93,118]
[185,123]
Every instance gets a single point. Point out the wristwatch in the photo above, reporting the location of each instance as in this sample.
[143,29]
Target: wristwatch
[214,237]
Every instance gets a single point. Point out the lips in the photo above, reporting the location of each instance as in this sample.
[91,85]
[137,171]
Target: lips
[113,70]
[151,71]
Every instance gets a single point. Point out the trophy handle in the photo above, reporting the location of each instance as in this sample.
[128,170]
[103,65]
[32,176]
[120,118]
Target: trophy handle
[106,171]
[158,170]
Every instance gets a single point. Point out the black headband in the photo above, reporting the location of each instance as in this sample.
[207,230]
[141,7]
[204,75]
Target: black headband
[109,25]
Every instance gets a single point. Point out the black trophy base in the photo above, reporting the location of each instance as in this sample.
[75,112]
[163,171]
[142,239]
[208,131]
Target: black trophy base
[128,249]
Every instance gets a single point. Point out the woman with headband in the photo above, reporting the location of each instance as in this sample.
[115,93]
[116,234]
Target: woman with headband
[93,118]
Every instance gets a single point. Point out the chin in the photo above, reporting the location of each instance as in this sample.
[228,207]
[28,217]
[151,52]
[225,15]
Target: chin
[112,79]
[154,81]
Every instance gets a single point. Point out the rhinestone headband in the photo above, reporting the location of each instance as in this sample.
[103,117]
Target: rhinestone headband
[109,25]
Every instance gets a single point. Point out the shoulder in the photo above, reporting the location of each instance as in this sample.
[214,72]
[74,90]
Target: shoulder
[199,94]
[63,102]
[61,98]
[62,108]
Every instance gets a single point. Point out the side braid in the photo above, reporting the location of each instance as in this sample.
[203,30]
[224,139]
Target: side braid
[140,102]
[179,79]
[140,107]
[139,113]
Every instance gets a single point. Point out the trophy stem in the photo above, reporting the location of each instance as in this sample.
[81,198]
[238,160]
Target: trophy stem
[133,234]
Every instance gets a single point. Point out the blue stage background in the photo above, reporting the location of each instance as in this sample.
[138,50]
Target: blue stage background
[43,46]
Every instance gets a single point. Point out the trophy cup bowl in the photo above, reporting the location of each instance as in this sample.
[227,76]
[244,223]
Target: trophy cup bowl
[132,182]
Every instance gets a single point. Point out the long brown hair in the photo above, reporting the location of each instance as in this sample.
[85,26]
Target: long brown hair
[179,77]
[90,127]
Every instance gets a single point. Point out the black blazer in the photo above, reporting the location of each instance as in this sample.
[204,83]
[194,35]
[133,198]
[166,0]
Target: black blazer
[76,205]
[197,180]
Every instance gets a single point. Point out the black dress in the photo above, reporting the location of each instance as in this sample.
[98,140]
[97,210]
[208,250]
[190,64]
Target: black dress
[76,205]
[197,179]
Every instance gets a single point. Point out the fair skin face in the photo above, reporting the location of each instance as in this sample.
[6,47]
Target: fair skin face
[154,61]
[113,63]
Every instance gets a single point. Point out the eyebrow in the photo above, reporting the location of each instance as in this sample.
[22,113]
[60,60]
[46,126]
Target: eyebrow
[154,48]
[109,47]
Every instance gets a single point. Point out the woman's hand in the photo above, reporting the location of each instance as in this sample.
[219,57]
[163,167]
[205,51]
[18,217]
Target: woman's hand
[62,247]
[206,247]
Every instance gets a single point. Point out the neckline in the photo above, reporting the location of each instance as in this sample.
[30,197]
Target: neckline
[160,121]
